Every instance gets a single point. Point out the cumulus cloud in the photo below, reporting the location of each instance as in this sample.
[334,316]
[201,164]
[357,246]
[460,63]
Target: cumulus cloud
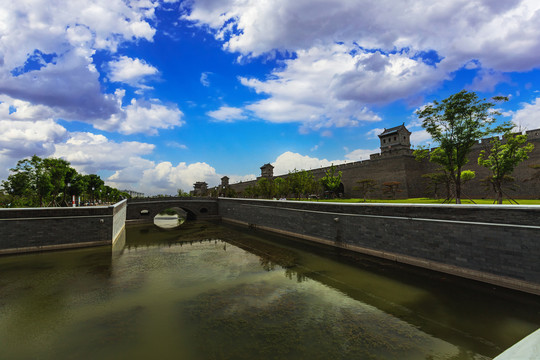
[90,153]
[21,139]
[26,130]
[500,35]
[141,117]
[528,117]
[227,114]
[361,154]
[344,57]
[288,161]
[163,178]
[130,71]
[307,90]
[46,51]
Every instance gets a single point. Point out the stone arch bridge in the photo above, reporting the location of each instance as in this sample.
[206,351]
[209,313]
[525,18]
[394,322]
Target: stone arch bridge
[144,210]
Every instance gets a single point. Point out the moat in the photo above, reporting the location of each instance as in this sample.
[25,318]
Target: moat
[213,291]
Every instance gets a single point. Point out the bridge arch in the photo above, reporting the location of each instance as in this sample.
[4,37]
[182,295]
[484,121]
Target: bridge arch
[144,210]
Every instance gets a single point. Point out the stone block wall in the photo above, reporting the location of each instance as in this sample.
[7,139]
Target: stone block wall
[38,229]
[493,244]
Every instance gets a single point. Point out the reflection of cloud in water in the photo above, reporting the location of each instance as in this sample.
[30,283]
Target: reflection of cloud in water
[291,314]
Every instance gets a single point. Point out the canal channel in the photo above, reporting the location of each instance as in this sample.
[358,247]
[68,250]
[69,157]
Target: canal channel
[208,290]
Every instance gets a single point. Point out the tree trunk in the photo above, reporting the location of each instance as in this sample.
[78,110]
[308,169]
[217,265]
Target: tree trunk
[499,194]
[458,186]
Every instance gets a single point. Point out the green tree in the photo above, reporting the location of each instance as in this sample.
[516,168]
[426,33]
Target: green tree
[301,183]
[29,182]
[59,171]
[502,158]
[281,187]
[331,181]
[265,187]
[456,123]
[182,193]
[436,179]
[365,186]
[391,187]
[94,186]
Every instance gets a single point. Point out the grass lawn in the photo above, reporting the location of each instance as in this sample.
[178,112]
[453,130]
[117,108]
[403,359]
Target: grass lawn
[433,201]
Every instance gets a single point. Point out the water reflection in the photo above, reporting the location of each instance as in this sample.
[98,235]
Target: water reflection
[170,218]
[207,291]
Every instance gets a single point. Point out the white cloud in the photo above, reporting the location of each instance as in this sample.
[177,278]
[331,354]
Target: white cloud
[90,153]
[227,114]
[288,161]
[205,81]
[177,145]
[500,35]
[130,71]
[21,139]
[61,38]
[141,117]
[164,178]
[420,137]
[361,154]
[308,90]
[343,57]
[487,79]
[528,117]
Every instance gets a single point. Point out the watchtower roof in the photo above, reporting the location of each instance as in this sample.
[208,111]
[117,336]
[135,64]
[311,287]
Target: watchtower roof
[267,166]
[393,130]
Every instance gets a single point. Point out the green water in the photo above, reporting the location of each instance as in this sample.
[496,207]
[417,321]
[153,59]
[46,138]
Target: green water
[209,291]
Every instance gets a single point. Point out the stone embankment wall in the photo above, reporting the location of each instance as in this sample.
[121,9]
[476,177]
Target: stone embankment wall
[39,229]
[493,244]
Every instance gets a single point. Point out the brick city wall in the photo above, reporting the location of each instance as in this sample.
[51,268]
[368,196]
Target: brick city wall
[405,169]
[493,244]
[37,229]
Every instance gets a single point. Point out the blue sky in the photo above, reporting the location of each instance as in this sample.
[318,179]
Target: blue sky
[156,95]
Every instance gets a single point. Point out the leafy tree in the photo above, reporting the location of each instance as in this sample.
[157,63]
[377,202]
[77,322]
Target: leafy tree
[182,193]
[330,181]
[29,182]
[250,191]
[301,182]
[59,171]
[265,187]
[503,158]
[229,192]
[365,187]
[93,186]
[435,179]
[456,123]
[281,187]
[391,187]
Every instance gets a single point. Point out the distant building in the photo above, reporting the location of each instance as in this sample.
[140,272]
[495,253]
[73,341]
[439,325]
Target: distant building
[133,194]
[267,171]
[200,188]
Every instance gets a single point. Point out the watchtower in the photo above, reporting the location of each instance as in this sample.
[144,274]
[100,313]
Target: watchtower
[200,188]
[395,141]
[224,181]
[267,171]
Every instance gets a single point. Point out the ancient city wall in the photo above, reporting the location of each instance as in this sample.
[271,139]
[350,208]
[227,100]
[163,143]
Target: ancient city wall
[493,244]
[39,229]
[404,169]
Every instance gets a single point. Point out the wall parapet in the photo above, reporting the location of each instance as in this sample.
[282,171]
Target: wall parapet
[40,229]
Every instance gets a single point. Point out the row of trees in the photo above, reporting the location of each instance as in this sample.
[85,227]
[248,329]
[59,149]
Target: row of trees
[297,184]
[37,182]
